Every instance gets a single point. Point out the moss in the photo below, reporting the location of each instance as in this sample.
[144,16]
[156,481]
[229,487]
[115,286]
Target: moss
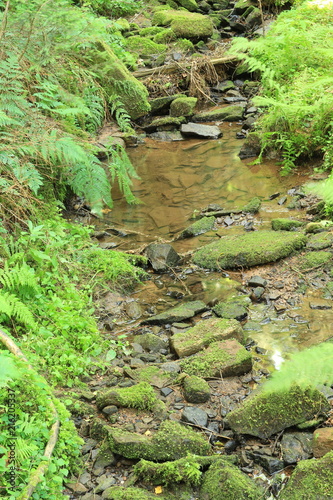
[317,227]
[170,442]
[123,24]
[253,206]
[131,493]
[140,396]
[183,106]
[314,259]
[178,313]
[226,482]
[190,5]
[167,35]
[233,308]
[286,224]
[144,46]
[251,249]
[185,24]
[226,358]
[320,240]
[196,389]
[204,333]
[184,45]
[232,113]
[151,31]
[152,375]
[166,121]
[182,470]
[265,413]
[199,227]
[312,479]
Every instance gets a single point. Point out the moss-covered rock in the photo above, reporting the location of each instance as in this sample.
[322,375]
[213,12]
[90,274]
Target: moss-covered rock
[161,105]
[185,24]
[131,493]
[253,206]
[318,227]
[151,342]
[227,358]
[286,224]
[314,259]
[266,412]
[224,481]
[144,46]
[165,123]
[183,106]
[251,249]
[199,227]
[190,5]
[320,240]
[232,113]
[183,45]
[167,35]
[204,333]
[312,479]
[170,442]
[119,81]
[178,313]
[152,375]
[140,396]
[196,389]
[234,308]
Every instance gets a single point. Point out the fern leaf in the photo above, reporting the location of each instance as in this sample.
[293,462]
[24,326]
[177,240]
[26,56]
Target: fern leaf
[14,308]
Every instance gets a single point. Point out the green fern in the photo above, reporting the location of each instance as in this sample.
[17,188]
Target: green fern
[20,279]
[311,367]
[121,168]
[12,307]
[122,117]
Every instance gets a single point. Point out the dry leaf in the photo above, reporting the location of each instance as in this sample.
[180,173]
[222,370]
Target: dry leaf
[158,490]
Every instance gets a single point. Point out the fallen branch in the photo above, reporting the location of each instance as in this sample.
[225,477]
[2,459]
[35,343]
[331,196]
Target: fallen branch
[37,475]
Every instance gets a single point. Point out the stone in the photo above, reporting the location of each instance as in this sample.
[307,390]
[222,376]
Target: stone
[311,479]
[104,483]
[170,442]
[204,131]
[199,227]
[225,481]
[253,206]
[269,463]
[127,493]
[161,105]
[196,390]
[195,416]
[285,224]
[154,375]
[178,313]
[166,391]
[162,256]
[151,342]
[322,441]
[255,281]
[267,412]
[234,308]
[254,18]
[296,446]
[227,358]
[183,106]
[224,86]
[248,151]
[204,333]
[247,250]
[140,396]
[77,488]
[185,24]
[320,241]
[232,113]
[167,136]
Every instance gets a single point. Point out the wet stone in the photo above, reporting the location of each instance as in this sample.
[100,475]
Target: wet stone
[257,293]
[162,256]
[104,482]
[296,446]
[110,410]
[255,281]
[166,391]
[178,313]
[195,416]
[269,463]
[203,131]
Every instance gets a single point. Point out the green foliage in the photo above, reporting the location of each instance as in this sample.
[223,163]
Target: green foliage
[120,114]
[115,8]
[185,469]
[293,60]
[309,368]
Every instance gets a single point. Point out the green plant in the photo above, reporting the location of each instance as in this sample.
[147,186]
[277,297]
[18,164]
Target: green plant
[115,8]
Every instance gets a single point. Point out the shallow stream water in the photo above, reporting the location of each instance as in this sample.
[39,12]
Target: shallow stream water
[178,178]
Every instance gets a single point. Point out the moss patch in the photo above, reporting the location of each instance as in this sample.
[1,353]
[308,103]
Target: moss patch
[253,206]
[171,441]
[233,308]
[232,113]
[196,390]
[224,481]
[265,413]
[199,227]
[314,259]
[320,240]
[252,249]
[144,46]
[183,106]
[285,224]
[178,313]
[311,479]
[190,5]
[131,493]
[152,375]
[204,333]
[140,396]
[185,24]
[227,358]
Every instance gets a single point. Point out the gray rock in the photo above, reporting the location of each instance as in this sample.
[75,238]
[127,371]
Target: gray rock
[232,113]
[255,281]
[162,256]
[296,446]
[151,342]
[199,227]
[195,416]
[178,313]
[104,482]
[248,151]
[269,463]
[204,131]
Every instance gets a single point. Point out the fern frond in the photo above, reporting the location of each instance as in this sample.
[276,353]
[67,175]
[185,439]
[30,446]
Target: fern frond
[14,308]
[122,169]
[20,279]
[122,117]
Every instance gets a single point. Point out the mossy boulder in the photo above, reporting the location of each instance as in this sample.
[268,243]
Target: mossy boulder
[178,313]
[318,227]
[204,333]
[234,308]
[184,24]
[247,250]
[131,493]
[199,227]
[312,479]
[153,375]
[314,259]
[151,342]
[144,46]
[190,5]
[253,206]
[232,113]
[119,81]
[286,224]
[224,481]
[320,240]
[183,106]
[161,105]
[266,412]
[196,390]
[167,35]
[242,5]
[170,442]
[141,396]
[227,358]
[165,123]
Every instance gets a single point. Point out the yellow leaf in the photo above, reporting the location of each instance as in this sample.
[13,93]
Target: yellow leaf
[147,433]
[158,490]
